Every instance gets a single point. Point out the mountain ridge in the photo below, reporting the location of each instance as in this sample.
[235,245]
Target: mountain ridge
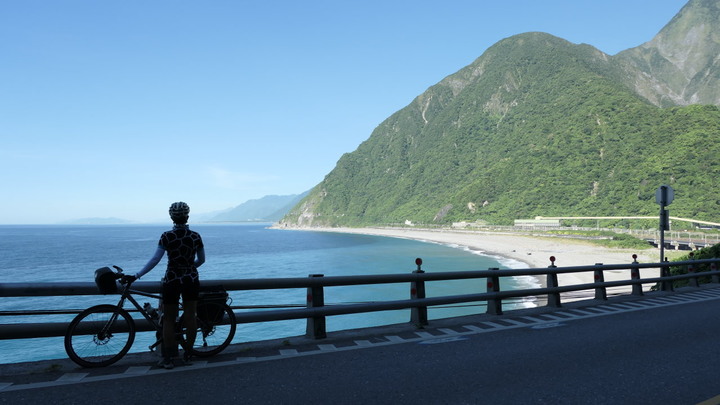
[269,208]
[536,126]
[679,66]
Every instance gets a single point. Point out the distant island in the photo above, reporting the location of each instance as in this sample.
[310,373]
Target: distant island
[97,221]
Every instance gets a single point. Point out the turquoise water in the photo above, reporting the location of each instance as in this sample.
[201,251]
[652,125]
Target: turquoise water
[72,253]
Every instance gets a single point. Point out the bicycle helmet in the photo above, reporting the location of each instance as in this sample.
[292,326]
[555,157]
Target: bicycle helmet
[179,211]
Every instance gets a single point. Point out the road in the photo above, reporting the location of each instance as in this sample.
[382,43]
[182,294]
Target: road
[613,353]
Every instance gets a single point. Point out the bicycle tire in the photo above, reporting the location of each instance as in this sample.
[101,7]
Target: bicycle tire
[215,329]
[88,345]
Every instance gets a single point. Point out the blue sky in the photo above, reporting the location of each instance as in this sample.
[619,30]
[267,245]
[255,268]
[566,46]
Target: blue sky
[117,109]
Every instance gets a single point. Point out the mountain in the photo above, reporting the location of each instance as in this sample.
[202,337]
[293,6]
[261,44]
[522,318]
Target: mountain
[266,209]
[680,66]
[538,126]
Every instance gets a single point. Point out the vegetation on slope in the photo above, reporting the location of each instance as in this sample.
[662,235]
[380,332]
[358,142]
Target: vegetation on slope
[536,126]
[711,252]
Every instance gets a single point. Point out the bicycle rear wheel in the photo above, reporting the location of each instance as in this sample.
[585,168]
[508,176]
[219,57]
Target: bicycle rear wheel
[215,329]
[99,336]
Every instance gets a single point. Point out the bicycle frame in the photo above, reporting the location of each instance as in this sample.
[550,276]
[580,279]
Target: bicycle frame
[156,323]
[126,295]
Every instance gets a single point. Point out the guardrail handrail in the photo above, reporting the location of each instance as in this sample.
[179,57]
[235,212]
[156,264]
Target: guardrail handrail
[316,310]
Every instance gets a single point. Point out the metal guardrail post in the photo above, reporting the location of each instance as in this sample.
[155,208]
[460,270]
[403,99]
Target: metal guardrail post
[693,282]
[665,285]
[552,282]
[600,292]
[715,277]
[635,275]
[316,324]
[418,315]
[494,306]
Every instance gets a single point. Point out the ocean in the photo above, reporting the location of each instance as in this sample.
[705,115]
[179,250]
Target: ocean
[46,254]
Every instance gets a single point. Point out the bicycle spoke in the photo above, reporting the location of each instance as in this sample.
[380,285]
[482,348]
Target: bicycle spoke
[99,336]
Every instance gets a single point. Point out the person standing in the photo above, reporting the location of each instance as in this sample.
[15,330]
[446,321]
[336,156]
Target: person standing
[185,252]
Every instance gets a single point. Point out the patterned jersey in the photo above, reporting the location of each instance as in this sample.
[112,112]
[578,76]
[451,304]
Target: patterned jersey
[181,245]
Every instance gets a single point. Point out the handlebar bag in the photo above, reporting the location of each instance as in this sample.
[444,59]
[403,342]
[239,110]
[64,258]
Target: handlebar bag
[105,279]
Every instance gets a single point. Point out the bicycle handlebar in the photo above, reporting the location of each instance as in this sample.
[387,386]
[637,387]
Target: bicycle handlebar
[119,276]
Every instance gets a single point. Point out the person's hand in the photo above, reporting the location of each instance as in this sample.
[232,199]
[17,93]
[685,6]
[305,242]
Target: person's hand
[127,279]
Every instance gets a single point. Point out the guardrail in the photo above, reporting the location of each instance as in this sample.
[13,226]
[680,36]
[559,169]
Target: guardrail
[316,311]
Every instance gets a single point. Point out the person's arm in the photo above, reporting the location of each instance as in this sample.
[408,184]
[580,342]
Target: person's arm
[200,258]
[159,252]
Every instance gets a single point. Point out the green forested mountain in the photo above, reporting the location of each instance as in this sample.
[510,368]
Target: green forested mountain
[540,126]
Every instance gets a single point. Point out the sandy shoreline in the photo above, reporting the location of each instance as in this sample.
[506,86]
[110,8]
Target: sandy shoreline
[531,250]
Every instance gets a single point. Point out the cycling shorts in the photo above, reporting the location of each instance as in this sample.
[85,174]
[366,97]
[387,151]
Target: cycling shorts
[186,287]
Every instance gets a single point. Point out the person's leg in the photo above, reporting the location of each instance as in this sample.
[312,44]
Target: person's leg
[171,300]
[190,321]
[190,295]
[169,317]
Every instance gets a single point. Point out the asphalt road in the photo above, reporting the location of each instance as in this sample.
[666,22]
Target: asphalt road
[660,355]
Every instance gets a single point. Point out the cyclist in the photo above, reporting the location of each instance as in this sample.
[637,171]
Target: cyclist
[186,252]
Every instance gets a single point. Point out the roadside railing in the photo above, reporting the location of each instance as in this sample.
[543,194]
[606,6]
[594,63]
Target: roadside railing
[315,310]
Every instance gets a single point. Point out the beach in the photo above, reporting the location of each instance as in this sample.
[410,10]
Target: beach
[533,250]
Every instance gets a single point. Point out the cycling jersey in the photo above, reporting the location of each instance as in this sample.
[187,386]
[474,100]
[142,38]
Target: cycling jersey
[181,245]
[185,251]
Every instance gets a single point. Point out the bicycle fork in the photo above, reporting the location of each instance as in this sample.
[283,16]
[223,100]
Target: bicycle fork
[105,333]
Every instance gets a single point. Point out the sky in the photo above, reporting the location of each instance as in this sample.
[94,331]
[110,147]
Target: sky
[117,109]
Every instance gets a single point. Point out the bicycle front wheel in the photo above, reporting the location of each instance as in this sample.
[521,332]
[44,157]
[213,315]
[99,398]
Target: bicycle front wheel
[99,336]
[215,329]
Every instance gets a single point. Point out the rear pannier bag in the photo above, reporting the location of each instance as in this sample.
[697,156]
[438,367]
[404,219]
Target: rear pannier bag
[211,305]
